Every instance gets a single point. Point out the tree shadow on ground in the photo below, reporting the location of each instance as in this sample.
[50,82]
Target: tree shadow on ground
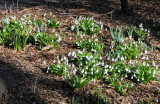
[27,88]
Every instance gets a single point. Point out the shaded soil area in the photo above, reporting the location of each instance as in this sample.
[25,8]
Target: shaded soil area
[30,84]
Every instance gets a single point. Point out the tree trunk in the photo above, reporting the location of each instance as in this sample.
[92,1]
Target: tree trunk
[124,6]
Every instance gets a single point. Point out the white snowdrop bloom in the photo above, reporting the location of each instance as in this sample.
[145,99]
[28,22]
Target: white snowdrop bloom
[119,71]
[156,67]
[106,66]
[69,65]
[153,75]
[132,77]
[69,54]
[143,58]
[110,67]
[105,72]
[85,72]
[73,84]
[58,66]
[74,72]
[108,58]
[44,62]
[153,63]
[44,14]
[92,72]
[141,54]
[121,79]
[82,71]
[75,56]
[154,72]
[59,62]
[73,53]
[138,79]
[96,40]
[132,84]
[147,58]
[136,61]
[112,59]
[102,63]
[126,76]
[86,62]
[122,58]
[142,79]
[59,39]
[80,64]
[134,42]
[130,62]
[80,52]
[97,71]
[91,69]
[148,34]
[146,52]
[22,19]
[147,64]
[127,69]
[100,58]
[157,100]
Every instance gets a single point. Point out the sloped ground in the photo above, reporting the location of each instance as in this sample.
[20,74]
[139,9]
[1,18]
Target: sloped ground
[34,86]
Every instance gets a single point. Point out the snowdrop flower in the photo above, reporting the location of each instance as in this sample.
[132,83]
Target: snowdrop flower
[24,16]
[126,76]
[58,66]
[145,51]
[121,79]
[47,70]
[156,67]
[132,84]
[22,19]
[153,63]
[106,66]
[138,79]
[147,58]
[73,53]
[132,77]
[127,69]
[73,84]
[72,28]
[153,75]
[102,63]
[154,72]
[119,71]
[44,14]
[69,54]
[82,71]
[59,39]
[44,62]
[122,58]
[96,39]
[50,13]
[100,58]
[143,58]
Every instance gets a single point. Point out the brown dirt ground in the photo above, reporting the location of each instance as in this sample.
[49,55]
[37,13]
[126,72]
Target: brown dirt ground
[34,86]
